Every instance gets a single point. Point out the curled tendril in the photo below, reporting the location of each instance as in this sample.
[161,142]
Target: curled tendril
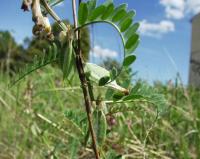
[42,27]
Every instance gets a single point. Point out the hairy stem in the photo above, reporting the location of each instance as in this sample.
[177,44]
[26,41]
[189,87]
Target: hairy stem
[82,76]
[54,15]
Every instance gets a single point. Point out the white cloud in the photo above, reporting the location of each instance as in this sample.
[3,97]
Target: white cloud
[174,13]
[178,9]
[156,29]
[193,6]
[103,53]
[173,3]
[174,8]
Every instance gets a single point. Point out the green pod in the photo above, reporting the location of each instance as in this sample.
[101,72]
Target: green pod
[67,60]
[100,126]
[72,66]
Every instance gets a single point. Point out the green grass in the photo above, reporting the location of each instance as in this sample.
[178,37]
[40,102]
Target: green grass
[33,125]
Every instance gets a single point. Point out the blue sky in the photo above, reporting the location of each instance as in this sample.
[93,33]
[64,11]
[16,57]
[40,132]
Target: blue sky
[165,34]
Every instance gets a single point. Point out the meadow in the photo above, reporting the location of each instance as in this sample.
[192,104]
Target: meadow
[34,123]
[69,108]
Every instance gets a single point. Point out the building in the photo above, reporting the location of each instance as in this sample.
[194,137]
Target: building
[194,77]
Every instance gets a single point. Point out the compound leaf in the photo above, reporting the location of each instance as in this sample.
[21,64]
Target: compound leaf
[132,30]
[49,56]
[124,25]
[82,13]
[119,15]
[122,21]
[97,12]
[91,5]
[108,11]
[131,41]
[129,60]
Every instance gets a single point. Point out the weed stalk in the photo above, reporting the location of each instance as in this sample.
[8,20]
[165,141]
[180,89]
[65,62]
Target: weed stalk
[84,84]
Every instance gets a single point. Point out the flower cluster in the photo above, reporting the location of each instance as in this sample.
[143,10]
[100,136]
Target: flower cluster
[42,27]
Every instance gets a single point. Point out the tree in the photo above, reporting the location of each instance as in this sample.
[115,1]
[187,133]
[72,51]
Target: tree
[11,54]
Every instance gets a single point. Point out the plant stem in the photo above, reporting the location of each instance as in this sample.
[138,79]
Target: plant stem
[54,15]
[84,84]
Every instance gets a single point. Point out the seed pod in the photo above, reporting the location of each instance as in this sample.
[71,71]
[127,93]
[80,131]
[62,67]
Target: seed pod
[100,126]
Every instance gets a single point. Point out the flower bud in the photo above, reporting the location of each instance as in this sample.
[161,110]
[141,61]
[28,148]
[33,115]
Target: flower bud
[62,36]
[47,25]
[111,120]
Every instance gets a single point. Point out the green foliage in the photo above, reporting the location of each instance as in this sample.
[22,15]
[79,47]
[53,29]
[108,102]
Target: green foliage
[38,62]
[44,52]
[85,43]
[110,116]
[109,10]
[125,24]
[112,155]
[129,60]
[142,91]
[36,46]
[68,59]
[176,132]
[131,41]
[117,17]
[118,96]
[91,5]
[96,13]
[100,126]
[88,14]
[132,30]
[84,38]
[83,13]
[101,76]
[74,148]
[12,56]
[76,121]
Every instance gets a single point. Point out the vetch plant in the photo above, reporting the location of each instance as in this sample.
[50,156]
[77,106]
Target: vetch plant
[92,127]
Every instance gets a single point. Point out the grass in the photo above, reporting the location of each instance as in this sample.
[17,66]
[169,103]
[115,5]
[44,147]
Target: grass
[33,124]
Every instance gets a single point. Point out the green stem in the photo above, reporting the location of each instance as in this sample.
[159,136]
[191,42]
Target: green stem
[54,15]
[103,21]
[116,28]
